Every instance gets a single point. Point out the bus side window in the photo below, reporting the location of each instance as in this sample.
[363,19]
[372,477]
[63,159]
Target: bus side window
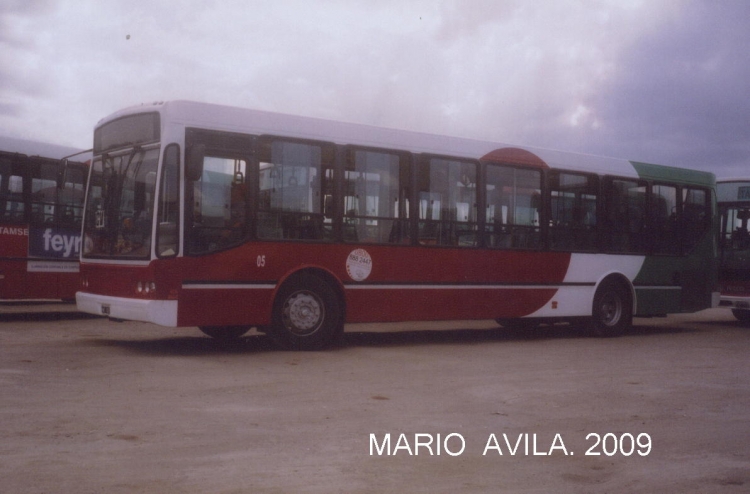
[375,205]
[573,215]
[168,214]
[295,179]
[663,228]
[70,197]
[625,216]
[219,205]
[11,192]
[696,213]
[738,232]
[44,194]
[513,207]
[447,202]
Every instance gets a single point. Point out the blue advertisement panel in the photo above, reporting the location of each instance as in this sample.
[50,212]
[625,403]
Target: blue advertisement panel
[53,250]
[54,243]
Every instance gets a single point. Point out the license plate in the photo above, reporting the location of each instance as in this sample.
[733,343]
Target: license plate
[105,310]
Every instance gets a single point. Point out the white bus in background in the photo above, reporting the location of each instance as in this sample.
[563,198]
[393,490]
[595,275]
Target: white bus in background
[734,266]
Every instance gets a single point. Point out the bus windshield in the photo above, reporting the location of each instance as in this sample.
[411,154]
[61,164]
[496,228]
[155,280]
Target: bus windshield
[119,210]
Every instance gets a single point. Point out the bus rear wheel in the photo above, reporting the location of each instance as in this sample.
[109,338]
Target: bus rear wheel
[742,315]
[306,314]
[612,312]
[224,333]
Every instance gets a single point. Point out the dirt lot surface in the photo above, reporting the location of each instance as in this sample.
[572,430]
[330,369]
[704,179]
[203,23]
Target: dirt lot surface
[92,406]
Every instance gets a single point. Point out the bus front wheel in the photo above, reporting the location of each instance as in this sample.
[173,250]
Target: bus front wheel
[612,312]
[306,314]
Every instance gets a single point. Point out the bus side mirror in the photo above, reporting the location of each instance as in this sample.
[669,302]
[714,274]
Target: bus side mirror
[194,166]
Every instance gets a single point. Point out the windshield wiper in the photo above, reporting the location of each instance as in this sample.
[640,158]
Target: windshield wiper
[136,149]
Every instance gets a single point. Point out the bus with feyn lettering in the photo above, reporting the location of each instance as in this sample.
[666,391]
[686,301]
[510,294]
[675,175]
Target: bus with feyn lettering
[41,207]
[734,245]
[227,219]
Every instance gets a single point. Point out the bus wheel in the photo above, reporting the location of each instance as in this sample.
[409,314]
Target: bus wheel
[306,314]
[224,333]
[742,315]
[612,312]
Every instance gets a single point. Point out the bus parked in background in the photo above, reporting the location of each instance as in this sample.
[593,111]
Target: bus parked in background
[41,207]
[734,272]
[226,219]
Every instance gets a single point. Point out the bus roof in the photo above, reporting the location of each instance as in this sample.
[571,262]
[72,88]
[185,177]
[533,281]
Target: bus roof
[41,149]
[729,180]
[733,190]
[241,120]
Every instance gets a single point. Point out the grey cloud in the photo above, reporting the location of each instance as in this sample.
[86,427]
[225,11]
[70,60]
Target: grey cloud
[680,94]
[8,109]
[15,45]
[459,18]
[10,8]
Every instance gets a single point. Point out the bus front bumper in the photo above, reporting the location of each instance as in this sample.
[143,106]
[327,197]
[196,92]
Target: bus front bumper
[162,312]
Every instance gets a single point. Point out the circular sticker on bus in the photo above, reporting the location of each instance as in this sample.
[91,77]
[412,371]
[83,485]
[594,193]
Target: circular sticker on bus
[359,265]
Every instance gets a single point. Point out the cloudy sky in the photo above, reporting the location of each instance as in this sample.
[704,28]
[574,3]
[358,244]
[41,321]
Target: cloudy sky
[662,81]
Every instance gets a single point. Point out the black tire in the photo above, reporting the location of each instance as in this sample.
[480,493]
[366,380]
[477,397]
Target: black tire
[307,314]
[224,333]
[742,315]
[612,311]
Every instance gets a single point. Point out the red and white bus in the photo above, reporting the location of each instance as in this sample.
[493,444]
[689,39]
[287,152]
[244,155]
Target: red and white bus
[41,207]
[226,218]
[734,274]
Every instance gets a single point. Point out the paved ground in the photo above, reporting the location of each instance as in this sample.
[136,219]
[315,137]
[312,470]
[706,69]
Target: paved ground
[87,405]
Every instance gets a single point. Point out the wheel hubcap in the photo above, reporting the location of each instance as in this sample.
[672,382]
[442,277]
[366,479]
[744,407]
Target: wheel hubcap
[303,313]
[611,310]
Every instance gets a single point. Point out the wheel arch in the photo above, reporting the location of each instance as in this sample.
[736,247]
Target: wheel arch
[324,274]
[620,279]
